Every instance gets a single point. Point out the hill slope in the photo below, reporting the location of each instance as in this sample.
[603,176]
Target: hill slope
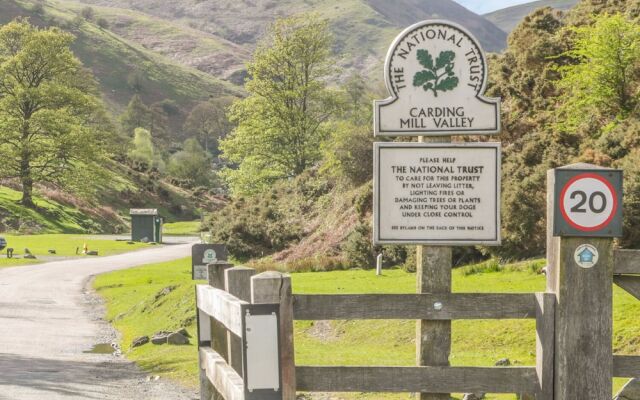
[113,59]
[363,28]
[508,18]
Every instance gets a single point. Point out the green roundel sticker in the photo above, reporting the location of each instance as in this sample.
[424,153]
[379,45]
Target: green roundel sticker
[209,256]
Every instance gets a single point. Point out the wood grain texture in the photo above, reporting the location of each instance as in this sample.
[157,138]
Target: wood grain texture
[224,307]
[272,288]
[626,366]
[626,262]
[630,283]
[414,306]
[584,314]
[433,337]
[237,282]
[223,378]
[553,243]
[417,379]
[545,343]
[215,273]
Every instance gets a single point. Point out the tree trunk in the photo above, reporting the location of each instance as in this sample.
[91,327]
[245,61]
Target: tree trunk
[27,182]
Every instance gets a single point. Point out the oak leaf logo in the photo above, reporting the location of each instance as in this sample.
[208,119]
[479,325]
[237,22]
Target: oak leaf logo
[438,77]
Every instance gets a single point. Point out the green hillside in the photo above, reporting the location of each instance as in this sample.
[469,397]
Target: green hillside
[508,18]
[180,43]
[53,216]
[363,29]
[112,59]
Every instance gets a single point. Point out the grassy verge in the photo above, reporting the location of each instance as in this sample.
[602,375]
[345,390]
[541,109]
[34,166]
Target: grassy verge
[183,228]
[64,246]
[135,309]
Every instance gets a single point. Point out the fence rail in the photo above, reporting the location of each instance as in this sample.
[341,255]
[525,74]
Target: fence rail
[221,375]
[626,262]
[535,381]
[626,366]
[417,379]
[414,306]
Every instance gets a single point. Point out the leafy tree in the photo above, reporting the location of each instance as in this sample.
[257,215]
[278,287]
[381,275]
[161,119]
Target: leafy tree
[137,81]
[137,115]
[281,124]
[143,153]
[103,23]
[52,123]
[87,13]
[153,118]
[191,165]
[208,122]
[349,153]
[603,81]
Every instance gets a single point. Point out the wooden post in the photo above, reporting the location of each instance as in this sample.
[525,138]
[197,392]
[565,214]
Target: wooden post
[204,339]
[237,283]
[218,331]
[271,288]
[583,366]
[433,275]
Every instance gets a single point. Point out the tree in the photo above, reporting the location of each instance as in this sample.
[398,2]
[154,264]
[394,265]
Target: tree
[103,23]
[87,13]
[142,152]
[282,123]
[209,123]
[603,81]
[191,165]
[51,120]
[137,115]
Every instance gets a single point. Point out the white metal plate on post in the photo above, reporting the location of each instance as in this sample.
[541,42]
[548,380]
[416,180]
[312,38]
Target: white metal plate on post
[262,356]
[437,194]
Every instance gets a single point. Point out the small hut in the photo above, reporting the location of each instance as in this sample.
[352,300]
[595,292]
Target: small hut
[146,225]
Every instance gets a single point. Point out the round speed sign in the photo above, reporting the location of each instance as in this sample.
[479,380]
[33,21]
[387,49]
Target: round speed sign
[588,202]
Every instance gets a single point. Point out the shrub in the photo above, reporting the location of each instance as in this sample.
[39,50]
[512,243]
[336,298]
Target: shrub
[260,225]
[358,249]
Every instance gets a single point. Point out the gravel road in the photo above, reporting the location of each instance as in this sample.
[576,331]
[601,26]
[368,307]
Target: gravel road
[48,319]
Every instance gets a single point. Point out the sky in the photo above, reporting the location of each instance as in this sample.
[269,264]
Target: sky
[485,6]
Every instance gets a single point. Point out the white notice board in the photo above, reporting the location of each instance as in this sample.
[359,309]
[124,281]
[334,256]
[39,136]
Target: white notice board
[437,194]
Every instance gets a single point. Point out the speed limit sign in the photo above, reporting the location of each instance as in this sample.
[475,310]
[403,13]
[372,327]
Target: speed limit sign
[588,203]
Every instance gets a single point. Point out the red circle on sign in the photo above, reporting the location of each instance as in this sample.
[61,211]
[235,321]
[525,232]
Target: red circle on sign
[573,224]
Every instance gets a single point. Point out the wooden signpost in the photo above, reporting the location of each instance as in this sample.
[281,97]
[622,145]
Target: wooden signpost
[584,214]
[436,196]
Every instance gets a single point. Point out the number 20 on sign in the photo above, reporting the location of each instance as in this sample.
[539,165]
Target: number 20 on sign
[588,203]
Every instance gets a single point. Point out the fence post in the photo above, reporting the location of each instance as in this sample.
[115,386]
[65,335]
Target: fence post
[270,288]
[237,283]
[433,274]
[204,340]
[583,366]
[218,331]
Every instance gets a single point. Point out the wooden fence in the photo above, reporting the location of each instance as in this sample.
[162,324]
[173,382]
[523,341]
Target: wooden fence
[574,357]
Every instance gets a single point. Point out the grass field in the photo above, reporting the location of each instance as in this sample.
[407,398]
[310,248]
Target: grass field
[135,309]
[64,245]
[183,228]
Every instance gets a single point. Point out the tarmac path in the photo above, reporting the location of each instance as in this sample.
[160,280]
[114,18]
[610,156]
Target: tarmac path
[49,319]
